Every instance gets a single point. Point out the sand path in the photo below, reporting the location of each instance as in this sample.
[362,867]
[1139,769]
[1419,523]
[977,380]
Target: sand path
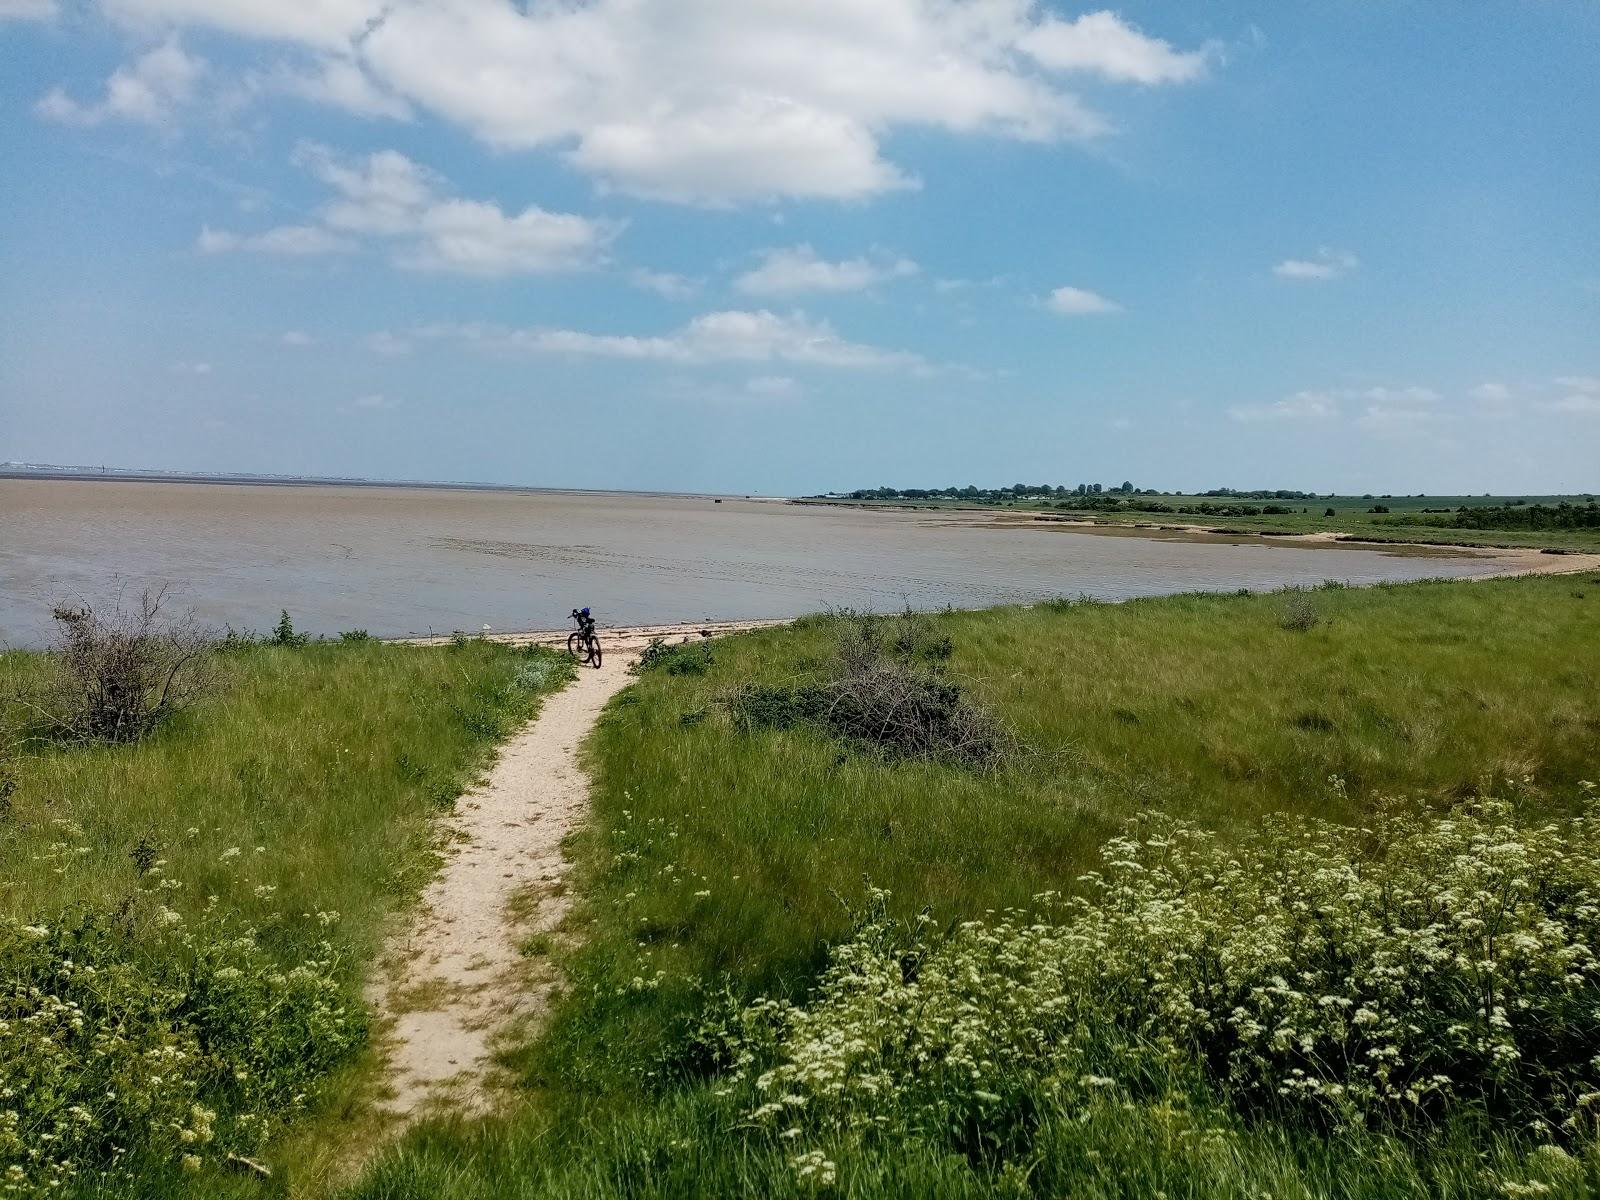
[457,980]
[456,983]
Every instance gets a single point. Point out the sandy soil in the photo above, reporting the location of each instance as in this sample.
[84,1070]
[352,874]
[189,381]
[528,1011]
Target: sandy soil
[456,983]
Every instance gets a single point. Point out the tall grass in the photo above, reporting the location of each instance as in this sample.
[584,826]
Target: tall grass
[723,862]
[294,803]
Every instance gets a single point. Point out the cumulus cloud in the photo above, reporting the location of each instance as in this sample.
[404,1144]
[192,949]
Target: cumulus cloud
[27,10]
[147,91]
[1583,395]
[664,283]
[1378,410]
[340,82]
[1325,264]
[707,101]
[773,387]
[1301,406]
[1103,44]
[720,337]
[384,342]
[293,240]
[387,196]
[1079,302]
[1491,393]
[797,271]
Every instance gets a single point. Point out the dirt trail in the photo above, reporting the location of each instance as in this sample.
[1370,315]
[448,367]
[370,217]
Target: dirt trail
[457,980]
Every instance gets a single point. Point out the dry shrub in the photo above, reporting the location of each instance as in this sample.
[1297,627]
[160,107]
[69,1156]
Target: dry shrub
[887,690]
[118,673]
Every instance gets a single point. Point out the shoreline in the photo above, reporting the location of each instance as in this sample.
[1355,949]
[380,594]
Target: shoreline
[627,639]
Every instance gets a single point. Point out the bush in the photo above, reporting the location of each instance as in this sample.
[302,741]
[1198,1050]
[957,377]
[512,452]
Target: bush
[1392,978]
[115,676]
[1299,610]
[284,635]
[134,1041]
[887,691]
[678,659]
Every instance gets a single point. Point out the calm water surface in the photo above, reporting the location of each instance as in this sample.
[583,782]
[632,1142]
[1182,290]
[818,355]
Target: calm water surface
[419,560]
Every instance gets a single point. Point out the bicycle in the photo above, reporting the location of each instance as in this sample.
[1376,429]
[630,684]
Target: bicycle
[581,642]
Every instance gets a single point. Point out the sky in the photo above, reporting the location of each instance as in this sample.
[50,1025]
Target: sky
[765,246]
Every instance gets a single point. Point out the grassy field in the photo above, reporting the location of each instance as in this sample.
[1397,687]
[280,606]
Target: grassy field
[1406,520]
[291,807]
[726,863]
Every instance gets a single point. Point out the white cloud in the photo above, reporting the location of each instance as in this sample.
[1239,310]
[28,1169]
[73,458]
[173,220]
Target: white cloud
[797,271]
[148,91]
[340,82]
[1301,406]
[1103,44]
[719,337]
[1327,264]
[773,387]
[192,368]
[384,342]
[1583,395]
[374,401]
[296,337]
[388,196]
[664,283]
[1578,402]
[294,240]
[1491,393]
[708,101]
[1079,302]
[27,10]
[1579,383]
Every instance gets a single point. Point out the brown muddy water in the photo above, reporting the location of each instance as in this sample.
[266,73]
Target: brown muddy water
[398,561]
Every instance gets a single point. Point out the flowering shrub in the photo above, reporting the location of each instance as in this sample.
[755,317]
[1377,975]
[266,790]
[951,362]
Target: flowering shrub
[137,1039]
[1382,978]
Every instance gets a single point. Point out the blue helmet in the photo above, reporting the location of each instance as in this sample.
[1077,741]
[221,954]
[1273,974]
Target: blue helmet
[585,610]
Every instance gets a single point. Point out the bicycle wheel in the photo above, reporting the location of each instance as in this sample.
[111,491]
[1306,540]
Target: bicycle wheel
[575,644]
[594,652]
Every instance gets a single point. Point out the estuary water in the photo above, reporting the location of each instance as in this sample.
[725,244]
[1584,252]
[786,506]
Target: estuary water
[417,560]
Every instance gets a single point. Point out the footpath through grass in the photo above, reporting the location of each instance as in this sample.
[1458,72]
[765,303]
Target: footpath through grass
[727,861]
[191,915]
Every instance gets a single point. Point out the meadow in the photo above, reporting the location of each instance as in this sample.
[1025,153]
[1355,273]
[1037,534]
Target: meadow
[1168,938]
[1420,520]
[186,920]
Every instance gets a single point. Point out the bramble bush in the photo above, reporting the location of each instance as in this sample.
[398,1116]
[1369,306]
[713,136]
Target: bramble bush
[136,1040]
[1391,978]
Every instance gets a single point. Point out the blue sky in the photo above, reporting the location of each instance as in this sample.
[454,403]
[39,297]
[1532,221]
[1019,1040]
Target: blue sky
[754,245]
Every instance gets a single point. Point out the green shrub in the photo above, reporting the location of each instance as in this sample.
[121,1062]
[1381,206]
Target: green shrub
[675,659]
[132,1040]
[1392,978]
[283,634]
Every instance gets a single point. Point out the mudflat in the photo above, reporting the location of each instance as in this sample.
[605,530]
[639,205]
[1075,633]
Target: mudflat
[415,561]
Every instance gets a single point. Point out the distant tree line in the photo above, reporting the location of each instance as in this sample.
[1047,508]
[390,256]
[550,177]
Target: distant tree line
[1530,516]
[1088,495]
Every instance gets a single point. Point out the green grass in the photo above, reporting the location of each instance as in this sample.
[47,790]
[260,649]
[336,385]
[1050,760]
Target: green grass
[724,862]
[324,766]
[1352,517]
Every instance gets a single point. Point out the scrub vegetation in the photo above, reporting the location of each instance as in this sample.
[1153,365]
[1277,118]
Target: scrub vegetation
[1555,523]
[188,908]
[1288,894]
